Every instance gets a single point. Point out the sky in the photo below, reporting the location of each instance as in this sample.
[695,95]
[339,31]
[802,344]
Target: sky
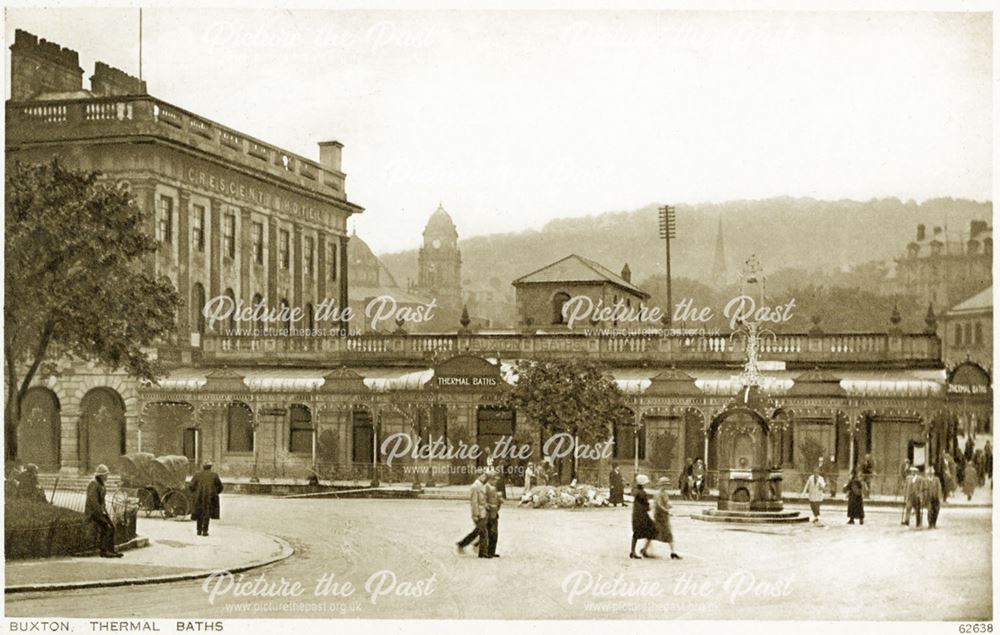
[512,119]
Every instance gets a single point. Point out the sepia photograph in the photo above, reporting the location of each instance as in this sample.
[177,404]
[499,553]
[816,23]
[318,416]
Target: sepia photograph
[671,312]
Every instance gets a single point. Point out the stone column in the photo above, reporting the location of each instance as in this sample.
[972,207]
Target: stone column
[184,268]
[297,271]
[215,258]
[246,254]
[343,299]
[272,262]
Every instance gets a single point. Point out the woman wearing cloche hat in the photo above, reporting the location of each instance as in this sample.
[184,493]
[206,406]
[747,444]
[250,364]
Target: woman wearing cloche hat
[642,525]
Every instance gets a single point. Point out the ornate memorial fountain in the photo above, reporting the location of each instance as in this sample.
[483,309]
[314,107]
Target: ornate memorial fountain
[740,436]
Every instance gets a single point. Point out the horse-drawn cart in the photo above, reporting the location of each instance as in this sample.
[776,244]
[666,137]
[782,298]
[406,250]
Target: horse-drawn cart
[160,482]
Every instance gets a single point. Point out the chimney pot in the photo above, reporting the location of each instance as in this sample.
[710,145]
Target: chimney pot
[330,154]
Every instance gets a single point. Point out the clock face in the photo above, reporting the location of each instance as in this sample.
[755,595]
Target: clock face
[436,244]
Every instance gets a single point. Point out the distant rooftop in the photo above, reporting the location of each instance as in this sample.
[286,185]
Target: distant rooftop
[574,268]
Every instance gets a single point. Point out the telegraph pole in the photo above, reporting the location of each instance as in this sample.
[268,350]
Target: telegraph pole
[668,230]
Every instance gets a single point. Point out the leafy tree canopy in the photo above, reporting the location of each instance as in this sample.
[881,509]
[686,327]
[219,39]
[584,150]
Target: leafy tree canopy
[77,279]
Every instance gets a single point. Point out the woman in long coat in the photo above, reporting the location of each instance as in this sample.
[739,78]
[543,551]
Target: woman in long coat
[661,517]
[855,489]
[970,481]
[616,484]
[642,525]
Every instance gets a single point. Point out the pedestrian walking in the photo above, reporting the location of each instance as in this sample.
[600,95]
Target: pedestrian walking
[855,490]
[493,501]
[206,487]
[934,496]
[904,474]
[867,472]
[95,511]
[616,487]
[815,490]
[643,527]
[661,517]
[477,505]
[970,482]
[970,448]
[698,475]
[529,474]
[684,480]
[988,455]
[914,495]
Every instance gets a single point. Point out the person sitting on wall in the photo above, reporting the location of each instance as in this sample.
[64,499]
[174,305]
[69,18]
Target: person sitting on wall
[96,512]
[27,484]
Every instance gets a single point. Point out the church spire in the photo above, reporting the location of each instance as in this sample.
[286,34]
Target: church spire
[719,272]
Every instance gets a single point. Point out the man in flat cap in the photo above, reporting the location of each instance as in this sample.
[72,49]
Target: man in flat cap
[206,486]
[97,513]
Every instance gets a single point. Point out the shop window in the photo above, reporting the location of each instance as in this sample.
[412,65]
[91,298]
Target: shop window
[239,428]
[300,429]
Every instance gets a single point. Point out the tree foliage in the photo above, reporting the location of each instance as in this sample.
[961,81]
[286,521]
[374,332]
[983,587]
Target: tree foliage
[76,279]
[569,396]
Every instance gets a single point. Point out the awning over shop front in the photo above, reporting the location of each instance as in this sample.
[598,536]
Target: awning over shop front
[633,381]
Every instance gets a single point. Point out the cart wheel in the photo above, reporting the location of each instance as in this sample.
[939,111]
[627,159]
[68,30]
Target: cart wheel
[175,504]
[147,501]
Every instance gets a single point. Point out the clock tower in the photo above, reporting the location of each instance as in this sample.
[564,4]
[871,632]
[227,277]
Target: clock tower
[439,272]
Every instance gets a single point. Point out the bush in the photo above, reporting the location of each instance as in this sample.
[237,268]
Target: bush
[34,529]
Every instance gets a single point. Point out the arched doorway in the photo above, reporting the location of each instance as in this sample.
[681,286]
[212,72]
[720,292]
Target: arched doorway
[102,428]
[38,433]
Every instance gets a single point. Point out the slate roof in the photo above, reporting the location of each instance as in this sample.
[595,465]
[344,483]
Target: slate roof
[574,268]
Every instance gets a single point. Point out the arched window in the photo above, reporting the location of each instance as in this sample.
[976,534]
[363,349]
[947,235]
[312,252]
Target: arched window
[198,307]
[300,429]
[231,322]
[558,300]
[239,428]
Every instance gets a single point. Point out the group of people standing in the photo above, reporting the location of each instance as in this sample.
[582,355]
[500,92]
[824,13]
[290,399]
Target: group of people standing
[922,490]
[692,479]
[484,503]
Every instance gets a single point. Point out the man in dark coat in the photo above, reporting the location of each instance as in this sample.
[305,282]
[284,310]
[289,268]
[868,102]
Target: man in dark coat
[97,513]
[493,503]
[206,487]
[934,496]
[616,486]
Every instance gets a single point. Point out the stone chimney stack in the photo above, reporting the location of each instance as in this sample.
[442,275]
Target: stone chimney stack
[329,154]
[108,81]
[921,232]
[38,66]
[626,273]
